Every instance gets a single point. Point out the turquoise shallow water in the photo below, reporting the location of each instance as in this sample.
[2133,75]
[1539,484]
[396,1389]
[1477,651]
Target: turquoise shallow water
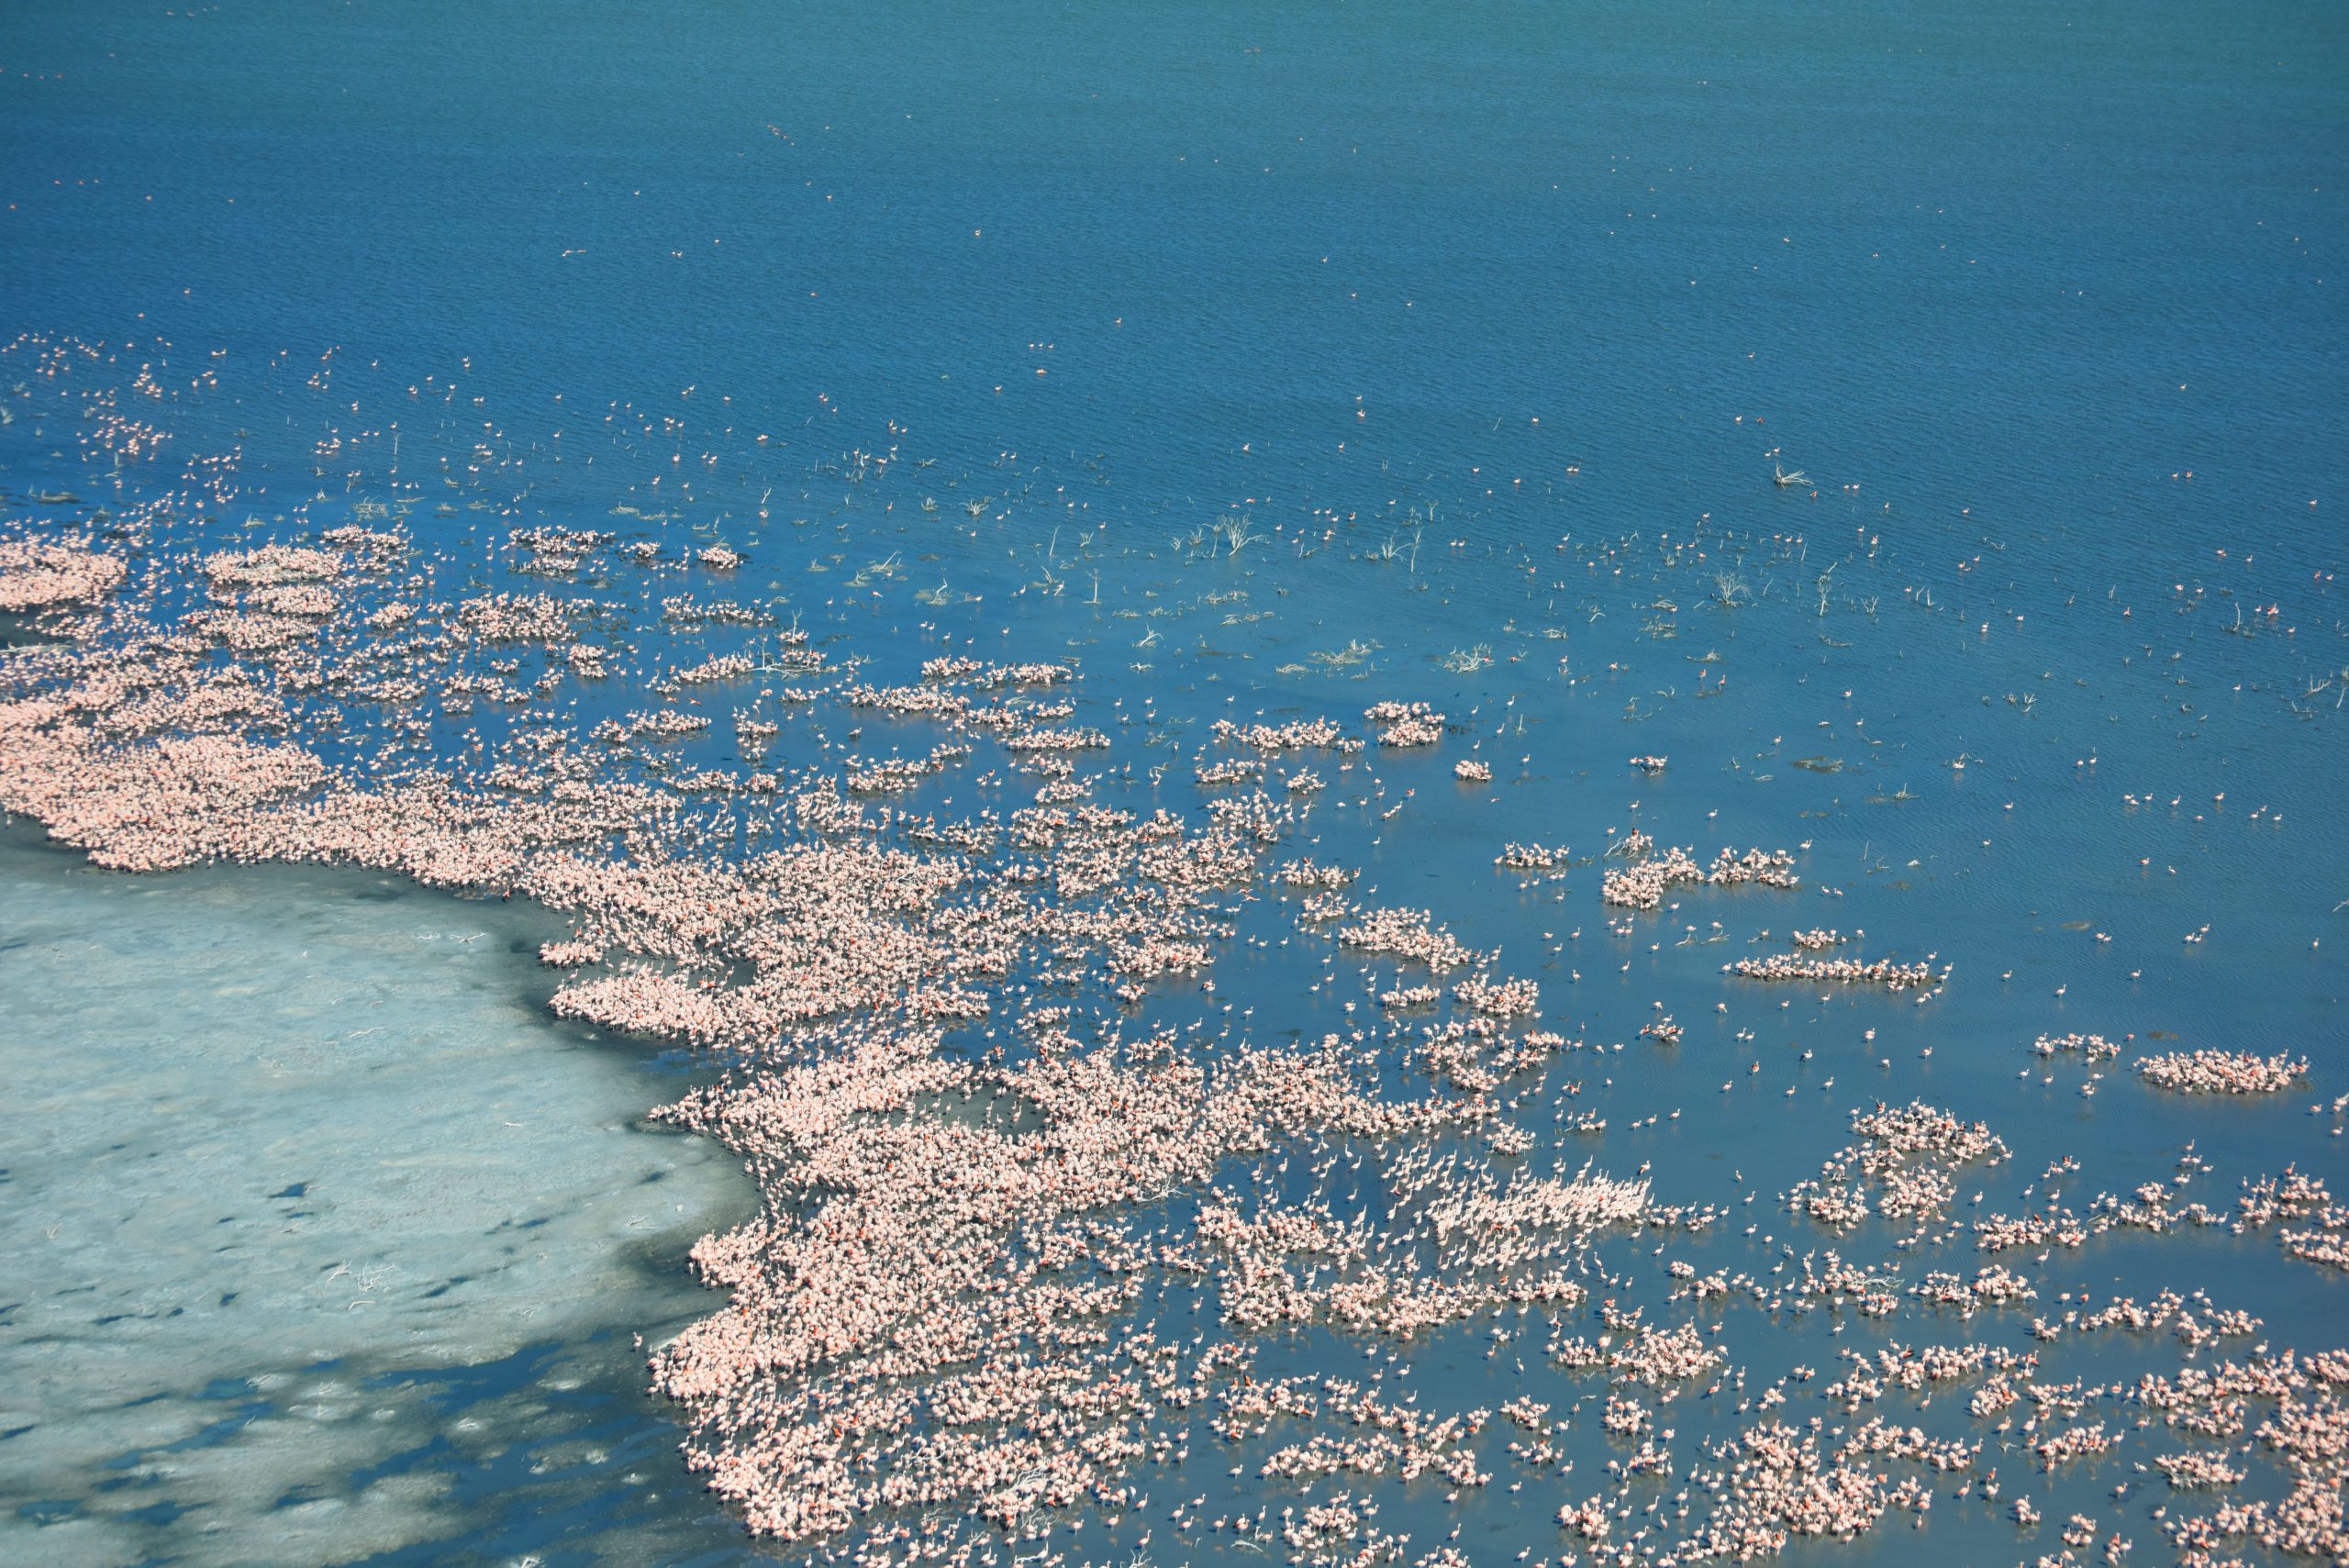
[1491,322]
[323,1242]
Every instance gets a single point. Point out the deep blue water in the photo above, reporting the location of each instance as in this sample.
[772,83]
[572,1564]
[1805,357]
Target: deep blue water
[1998,278]
[1960,256]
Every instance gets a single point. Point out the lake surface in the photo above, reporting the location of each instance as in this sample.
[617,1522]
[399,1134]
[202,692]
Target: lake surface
[966,331]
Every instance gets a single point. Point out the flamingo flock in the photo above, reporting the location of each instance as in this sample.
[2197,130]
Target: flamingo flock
[1027,1233]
